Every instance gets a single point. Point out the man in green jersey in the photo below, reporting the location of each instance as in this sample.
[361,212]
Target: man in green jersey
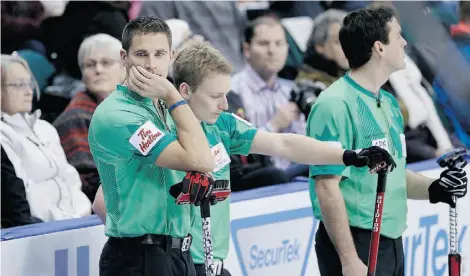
[202,76]
[139,159]
[354,112]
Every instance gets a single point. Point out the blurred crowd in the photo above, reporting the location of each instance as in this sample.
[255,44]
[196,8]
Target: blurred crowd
[60,59]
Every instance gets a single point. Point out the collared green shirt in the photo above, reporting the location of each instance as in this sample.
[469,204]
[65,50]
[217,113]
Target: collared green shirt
[349,116]
[126,137]
[229,135]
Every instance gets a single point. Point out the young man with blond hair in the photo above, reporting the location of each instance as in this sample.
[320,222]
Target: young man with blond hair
[202,76]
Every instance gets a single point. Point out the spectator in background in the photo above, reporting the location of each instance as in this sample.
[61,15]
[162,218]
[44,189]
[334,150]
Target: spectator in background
[246,172]
[43,70]
[445,11]
[181,33]
[426,136]
[287,9]
[181,36]
[64,34]
[20,24]
[347,6]
[219,22]
[254,170]
[102,71]
[53,186]
[456,108]
[461,31]
[324,60]
[265,95]
[15,206]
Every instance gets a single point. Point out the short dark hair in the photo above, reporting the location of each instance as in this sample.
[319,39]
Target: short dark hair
[267,19]
[143,25]
[361,29]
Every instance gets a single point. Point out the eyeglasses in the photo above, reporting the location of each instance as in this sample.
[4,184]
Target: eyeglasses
[21,85]
[105,63]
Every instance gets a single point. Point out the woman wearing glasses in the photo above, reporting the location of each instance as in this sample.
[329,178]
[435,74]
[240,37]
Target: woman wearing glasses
[53,186]
[101,68]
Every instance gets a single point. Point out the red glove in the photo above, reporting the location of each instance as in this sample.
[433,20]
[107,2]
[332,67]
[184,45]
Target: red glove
[194,189]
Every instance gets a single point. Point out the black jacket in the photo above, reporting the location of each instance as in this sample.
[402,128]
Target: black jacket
[15,206]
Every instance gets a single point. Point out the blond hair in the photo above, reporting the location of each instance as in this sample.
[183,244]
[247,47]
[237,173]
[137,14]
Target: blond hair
[7,60]
[196,61]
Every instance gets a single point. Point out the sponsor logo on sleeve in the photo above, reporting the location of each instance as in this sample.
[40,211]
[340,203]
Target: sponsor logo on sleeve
[146,137]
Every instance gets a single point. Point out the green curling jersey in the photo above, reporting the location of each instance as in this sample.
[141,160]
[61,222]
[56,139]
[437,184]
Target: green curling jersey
[351,117]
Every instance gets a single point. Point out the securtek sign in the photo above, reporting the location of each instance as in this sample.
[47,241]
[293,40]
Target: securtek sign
[275,244]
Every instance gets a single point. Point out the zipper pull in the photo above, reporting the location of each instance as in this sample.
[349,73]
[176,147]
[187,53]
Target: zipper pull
[378,102]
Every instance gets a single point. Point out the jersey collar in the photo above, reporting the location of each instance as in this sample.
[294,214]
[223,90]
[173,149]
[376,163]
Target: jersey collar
[132,94]
[358,87]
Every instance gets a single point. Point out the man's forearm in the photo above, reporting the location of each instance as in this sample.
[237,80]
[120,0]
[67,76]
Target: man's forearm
[417,185]
[305,150]
[335,216]
[191,136]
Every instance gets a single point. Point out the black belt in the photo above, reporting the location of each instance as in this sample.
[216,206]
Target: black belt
[163,241]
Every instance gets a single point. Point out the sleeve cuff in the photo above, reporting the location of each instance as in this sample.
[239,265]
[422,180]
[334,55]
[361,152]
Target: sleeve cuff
[250,136]
[159,148]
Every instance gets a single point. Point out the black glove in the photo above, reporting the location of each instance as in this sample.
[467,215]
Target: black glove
[194,189]
[452,183]
[374,157]
[220,192]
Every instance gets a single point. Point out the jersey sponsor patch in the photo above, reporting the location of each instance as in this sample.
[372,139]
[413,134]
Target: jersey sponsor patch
[221,156]
[381,143]
[403,144]
[146,137]
[241,119]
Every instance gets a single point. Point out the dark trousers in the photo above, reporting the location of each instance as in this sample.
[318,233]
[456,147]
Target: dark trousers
[122,257]
[390,261]
[201,271]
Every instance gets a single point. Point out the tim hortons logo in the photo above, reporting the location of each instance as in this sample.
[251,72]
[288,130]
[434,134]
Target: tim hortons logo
[147,137]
